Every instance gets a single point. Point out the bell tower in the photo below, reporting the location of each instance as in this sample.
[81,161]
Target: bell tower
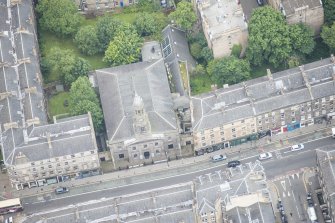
[141,120]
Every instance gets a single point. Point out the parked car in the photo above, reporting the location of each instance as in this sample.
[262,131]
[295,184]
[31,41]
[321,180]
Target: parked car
[61,190]
[297,147]
[209,150]
[265,156]
[217,158]
[234,163]
[260,2]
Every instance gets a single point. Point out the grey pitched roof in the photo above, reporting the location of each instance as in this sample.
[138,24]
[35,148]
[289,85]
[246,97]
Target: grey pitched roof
[178,44]
[24,107]
[117,87]
[259,211]
[326,159]
[264,94]
[151,51]
[290,6]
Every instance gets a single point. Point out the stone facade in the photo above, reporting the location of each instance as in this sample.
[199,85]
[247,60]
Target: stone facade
[309,12]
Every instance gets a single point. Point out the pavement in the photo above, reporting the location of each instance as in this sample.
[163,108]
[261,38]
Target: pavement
[192,163]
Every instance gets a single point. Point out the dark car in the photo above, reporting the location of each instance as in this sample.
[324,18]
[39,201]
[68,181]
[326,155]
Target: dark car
[61,190]
[260,2]
[234,163]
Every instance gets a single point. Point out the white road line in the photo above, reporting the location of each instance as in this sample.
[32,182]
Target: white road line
[288,177]
[295,201]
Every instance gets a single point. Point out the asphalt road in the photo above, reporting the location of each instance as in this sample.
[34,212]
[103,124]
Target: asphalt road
[284,162]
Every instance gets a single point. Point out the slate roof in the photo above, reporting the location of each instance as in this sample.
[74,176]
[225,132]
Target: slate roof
[24,107]
[260,211]
[291,5]
[117,87]
[261,95]
[179,52]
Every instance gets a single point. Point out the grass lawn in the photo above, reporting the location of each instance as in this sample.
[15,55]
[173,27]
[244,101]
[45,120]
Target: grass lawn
[49,41]
[56,104]
[183,72]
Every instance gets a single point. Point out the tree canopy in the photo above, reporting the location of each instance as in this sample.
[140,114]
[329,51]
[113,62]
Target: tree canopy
[68,65]
[87,40]
[60,17]
[329,11]
[83,99]
[106,29]
[184,16]
[125,48]
[228,70]
[145,24]
[272,40]
[328,36]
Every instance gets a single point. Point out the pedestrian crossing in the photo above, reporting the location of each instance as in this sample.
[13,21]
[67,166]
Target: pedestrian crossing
[278,154]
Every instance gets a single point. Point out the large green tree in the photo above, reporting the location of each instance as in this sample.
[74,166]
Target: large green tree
[83,99]
[106,29]
[269,38]
[60,17]
[125,48]
[184,16]
[328,36]
[69,66]
[145,24]
[302,38]
[329,11]
[87,40]
[228,70]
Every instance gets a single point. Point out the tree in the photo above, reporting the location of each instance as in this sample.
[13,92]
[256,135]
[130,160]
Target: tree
[199,70]
[236,50]
[68,65]
[106,27]
[207,54]
[83,99]
[60,17]
[145,24]
[184,16]
[87,40]
[268,37]
[328,36]
[85,106]
[329,11]
[125,48]
[302,38]
[195,49]
[228,70]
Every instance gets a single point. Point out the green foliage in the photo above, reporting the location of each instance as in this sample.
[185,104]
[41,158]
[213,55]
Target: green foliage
[145,24]
[329,11]
[328,36]
[302,38]
[236,50]
[45,66]
[207,54]
[60,17]
[87,40]
[125,48]
[228,70]
[184,16]
[294,61]
[83,99]
[199,70]
[107,27]
[268,37]
[272,40]
[198,37]
[56,104]
[195,49]
[68,65]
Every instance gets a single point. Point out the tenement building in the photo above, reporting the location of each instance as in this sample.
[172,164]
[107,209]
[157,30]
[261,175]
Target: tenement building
[33,151]
[273,104]
[224,24]
[325,160]
[309,12]
[140,121]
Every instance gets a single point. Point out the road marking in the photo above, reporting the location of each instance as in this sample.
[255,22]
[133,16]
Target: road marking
[288,193]
[289,181]
[297,175]
[278,154]
[283,184]
[295,201]
[284,194]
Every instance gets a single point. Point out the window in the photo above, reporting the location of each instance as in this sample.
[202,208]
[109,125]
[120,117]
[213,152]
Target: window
[188,142]
[293,119]
[222,139]
[58,164]
[75,167]
[222,133]
[212,135]
[42,167]
[34,169]
[293,113]
[259,122]
[282,116]
[134,148]
[203,144]
[233,130]
[135,155]
[156,143]
[212,142]
[202,138]
[145,146]
[51,172]
[72,156]
[266,120]
[92,152]
[158,151]
[121,156]
[66,163]
[242,121]
[50,166]
[33,164]
[234,135]
[170,146]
